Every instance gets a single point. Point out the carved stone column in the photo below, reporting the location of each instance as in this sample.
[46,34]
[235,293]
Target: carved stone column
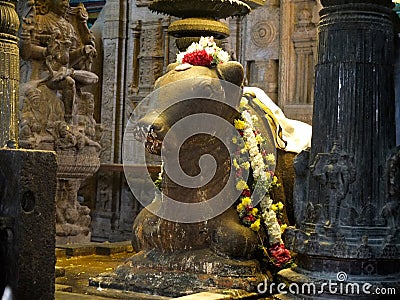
[56,113]
[305,46]
[349,203]
[9,75]
[136,28]
[27,186]
[264,74]
[150,58]
[114,37]
[297,57]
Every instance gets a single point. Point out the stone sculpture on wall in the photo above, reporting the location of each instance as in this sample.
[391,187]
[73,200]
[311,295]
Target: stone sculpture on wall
[56,114]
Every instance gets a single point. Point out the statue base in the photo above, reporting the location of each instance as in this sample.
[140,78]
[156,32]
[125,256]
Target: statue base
[331,278]
[77,239]
[182,273]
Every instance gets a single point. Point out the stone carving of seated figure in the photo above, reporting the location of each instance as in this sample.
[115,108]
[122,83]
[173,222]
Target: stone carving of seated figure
[85,118]
[34,113]
[65,139]
[36,118]
[73,219]
[56,52]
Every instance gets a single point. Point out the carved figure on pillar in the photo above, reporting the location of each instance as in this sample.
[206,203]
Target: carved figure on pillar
[353,162]
[58,50]
[336,172]
[34,114]
[72,218]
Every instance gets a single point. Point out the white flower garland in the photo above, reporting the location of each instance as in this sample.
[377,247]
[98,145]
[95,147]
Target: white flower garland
[260,172]
[208,44]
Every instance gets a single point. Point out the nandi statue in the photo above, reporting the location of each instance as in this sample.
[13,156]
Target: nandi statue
[192,237]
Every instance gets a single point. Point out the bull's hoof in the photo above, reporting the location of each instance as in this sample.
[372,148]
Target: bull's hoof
[232,239]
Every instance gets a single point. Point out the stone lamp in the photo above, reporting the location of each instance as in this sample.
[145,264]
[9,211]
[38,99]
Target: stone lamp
[200,17]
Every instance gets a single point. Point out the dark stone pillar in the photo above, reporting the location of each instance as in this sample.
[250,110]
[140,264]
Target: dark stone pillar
[349,200]
[27,223]
[27,186]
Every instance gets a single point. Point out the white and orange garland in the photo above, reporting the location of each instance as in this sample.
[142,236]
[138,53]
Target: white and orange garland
[262,164]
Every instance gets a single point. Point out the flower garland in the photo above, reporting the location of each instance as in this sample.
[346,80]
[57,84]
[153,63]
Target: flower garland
[262,164]
[204,53]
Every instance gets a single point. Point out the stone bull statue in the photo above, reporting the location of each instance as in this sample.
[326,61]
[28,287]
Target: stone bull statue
[177,258]
[223,234]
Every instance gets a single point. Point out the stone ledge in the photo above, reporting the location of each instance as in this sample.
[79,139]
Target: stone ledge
[82,249]
[105,293]
[205,296]
[63,288]
[111,248]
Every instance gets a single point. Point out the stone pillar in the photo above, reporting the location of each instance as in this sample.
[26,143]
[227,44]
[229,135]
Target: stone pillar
[114,37]
[397,72]
[27,223]
[136,28]
[150,58]
[349,202]
[9,74]
[27,186]
[264,74]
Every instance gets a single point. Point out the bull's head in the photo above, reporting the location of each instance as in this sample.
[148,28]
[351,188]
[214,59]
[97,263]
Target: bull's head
[186,91]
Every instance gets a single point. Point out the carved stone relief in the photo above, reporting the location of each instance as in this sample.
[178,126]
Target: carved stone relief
[56,114]
[263,33]
[298,57]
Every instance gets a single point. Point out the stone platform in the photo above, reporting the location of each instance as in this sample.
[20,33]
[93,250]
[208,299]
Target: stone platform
[79,262]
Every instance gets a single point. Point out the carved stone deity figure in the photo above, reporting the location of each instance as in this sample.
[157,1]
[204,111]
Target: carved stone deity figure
[50,42]
[57,49]
[336,172]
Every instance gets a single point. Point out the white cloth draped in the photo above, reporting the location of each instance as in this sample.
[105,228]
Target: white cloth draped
[297,134]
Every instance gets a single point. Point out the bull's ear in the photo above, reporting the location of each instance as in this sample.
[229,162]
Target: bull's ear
[231,71]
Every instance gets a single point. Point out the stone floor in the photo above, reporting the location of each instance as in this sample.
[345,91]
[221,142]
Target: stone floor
[77,263]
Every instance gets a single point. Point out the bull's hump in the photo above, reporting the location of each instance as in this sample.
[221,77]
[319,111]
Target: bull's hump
[190,73]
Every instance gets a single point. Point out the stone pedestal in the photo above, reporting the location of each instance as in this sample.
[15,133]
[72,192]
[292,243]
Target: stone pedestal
[347,190]
[27,223]
[73,219]
[182,273]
